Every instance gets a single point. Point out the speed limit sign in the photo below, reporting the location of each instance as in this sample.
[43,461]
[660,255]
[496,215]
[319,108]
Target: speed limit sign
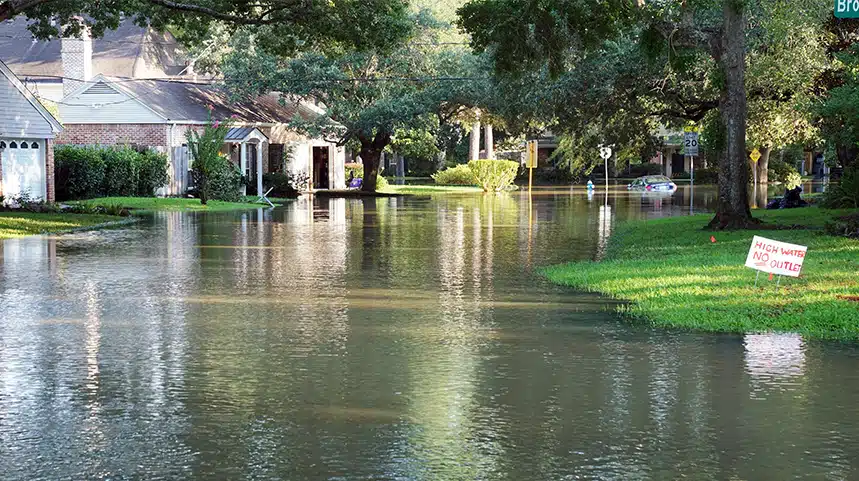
[690,143]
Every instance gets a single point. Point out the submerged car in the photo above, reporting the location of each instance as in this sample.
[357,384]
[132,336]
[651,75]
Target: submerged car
[653,183]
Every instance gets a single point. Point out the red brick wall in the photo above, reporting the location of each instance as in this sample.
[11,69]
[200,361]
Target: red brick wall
[49,171]
[154,135]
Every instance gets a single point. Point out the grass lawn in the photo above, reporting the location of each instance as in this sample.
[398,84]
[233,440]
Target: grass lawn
[675,276]
[170,203]
[19,224]
[429,189]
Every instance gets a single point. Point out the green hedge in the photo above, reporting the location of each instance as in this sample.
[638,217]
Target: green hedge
[88,172]
[457,175]
[494,175]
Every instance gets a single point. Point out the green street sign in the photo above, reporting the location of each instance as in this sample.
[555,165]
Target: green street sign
[847,8]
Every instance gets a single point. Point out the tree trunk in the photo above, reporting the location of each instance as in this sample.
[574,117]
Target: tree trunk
[371,158]
[489,142]
[733,205]
[474,147]
[204,190]
[371,154]
[764,165]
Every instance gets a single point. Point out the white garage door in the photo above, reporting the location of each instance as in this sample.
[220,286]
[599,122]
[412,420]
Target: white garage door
[23,168]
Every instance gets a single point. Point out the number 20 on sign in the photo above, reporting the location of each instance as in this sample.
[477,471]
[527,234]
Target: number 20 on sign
[847,8]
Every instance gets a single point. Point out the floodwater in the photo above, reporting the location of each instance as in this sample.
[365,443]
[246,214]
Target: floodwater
[401,338]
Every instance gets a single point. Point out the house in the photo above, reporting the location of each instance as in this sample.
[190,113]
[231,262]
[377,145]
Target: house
[157,114]
[136,87]
[130,51]
[27,132]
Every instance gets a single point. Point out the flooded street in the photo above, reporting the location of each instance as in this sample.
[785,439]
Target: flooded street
[395,338]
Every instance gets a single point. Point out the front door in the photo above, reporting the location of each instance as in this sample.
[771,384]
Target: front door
[320,168]
[23,168]
[677,164]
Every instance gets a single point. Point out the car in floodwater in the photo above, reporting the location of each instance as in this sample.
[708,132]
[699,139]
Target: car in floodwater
[652,183]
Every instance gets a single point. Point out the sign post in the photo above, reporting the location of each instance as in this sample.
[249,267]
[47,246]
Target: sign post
[774,257]
[530,160]
[690,148]
[605,153]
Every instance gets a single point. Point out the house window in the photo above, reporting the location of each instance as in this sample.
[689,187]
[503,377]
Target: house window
[24,145]
[13,145]
[34,145]
[2,145]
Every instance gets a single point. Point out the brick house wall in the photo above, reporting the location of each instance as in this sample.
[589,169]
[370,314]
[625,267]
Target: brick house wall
[153,135]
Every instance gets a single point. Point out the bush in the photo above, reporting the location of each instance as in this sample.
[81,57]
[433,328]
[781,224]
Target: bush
[224,179]
[79,172]
[646,168]
[845,194]
[152,174]
[88,172]
[461,174]
[284,184]
[784,173]
[120,172]
[381,182]
[494,175]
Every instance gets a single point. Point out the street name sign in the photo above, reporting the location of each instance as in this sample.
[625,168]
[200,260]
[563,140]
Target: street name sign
[847,8]
[776,257]
[690,143]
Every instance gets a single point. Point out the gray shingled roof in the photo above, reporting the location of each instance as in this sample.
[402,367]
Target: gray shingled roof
[129,51]
[238,133]
[184,101]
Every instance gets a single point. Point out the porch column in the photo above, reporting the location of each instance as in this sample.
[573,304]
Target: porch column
[243,161]
[489,142]
[669,157]
[259,169]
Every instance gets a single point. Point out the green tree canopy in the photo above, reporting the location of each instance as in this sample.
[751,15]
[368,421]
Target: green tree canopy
[366,96]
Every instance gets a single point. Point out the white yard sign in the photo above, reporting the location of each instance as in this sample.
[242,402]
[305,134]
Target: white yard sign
[776,257]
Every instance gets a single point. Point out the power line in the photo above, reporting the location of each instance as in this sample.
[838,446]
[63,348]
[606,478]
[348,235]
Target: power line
[116,80]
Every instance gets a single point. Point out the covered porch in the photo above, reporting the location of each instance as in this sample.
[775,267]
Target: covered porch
[245,146]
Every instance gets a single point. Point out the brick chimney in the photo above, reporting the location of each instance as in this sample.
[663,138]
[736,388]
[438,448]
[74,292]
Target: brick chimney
[77,61]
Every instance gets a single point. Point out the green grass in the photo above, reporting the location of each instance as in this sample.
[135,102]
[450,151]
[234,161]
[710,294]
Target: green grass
[171,204]
[19,224]
[429,189]
[675,276]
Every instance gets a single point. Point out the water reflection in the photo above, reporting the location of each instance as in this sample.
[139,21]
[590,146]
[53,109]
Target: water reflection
[395,338]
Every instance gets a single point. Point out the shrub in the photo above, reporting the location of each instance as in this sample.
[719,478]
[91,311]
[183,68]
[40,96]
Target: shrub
[784,173]
[223,180]
[120,172]
[646,168]
[214,175]
[87,172]
[381,182]
[845,194]
[494,175]
[79,172]
[460,174]
[152,174]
